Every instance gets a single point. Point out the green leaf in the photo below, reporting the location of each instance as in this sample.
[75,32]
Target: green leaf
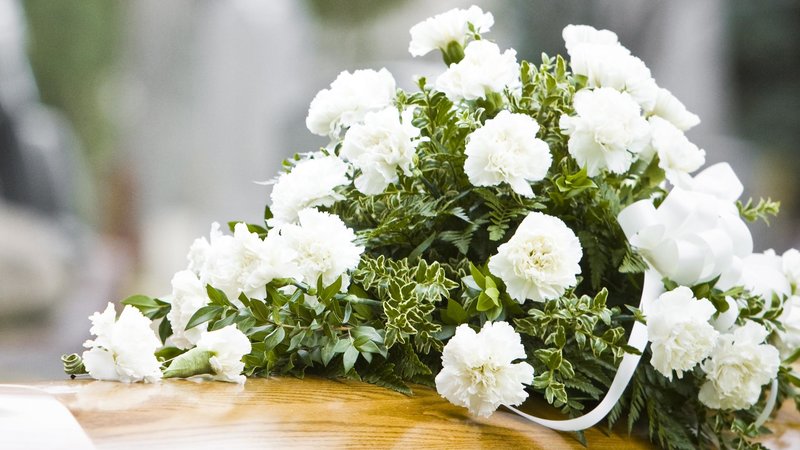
[217,297]
[296,340]
[485,302]
[349,358]
[327,352]
[341,345]
[259,310]
[327,293]
[140,301]
[149,307]
[164,330]
[456,312]
[367,331]
[273,339]
[267,214]
[168,353]
[204,314]
[477,275]
[792,358]
[193,362]
[224,322]
[420,249]
[494,313]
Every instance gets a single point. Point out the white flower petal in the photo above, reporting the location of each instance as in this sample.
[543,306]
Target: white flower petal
[540,261]
[451,26]
[124,348]
[348,99]
[505,150]
[607,130]
[478,371]
[482,71]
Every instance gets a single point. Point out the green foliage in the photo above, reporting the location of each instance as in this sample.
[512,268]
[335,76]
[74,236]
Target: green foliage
[152,308]
[576,345]
[762,210]
[193,362]
[409,296]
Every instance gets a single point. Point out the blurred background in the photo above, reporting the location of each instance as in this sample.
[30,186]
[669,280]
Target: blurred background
[126,128]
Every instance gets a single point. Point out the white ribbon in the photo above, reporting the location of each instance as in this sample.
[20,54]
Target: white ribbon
[638,339]
[694,235]
[773,397]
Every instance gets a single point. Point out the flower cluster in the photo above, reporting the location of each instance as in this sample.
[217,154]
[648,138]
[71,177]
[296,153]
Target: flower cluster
[501,220]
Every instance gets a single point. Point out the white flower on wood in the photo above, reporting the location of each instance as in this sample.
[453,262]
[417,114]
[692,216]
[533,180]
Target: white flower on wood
[478,369]
[124,348]
[228,346]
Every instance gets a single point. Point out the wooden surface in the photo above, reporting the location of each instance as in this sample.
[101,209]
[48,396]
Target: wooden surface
[286,412]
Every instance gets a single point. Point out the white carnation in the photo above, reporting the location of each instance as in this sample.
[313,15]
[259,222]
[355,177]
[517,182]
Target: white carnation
[482,71]
[323,246]
[679,330]
[242,263]
[607,130]
[188,295]
[478,370]
[379,147]
[669,108]
[739,366]
[762,275]
[505,150]
[350,97]
[451,26]
[540,261]
[676,155]
[598,56]
[228,346]
[790,261]
[788,340]
[576,35]
[124,348]
[310,183]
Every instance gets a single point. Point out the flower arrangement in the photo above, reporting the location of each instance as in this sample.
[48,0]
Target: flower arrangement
[497,233]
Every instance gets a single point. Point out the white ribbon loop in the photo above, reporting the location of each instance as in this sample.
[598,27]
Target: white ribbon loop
[691,238]
[638,339]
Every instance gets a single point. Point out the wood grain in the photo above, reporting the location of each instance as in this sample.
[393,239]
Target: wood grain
[292,413]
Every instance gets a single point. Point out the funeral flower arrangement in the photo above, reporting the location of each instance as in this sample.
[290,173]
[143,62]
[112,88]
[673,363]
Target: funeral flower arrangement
[506,229]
